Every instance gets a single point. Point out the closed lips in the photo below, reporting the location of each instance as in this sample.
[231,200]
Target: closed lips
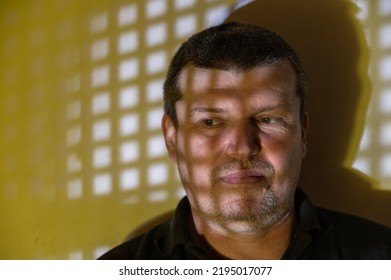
[243,176]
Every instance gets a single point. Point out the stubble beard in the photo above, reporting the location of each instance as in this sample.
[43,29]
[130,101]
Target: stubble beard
[251,208]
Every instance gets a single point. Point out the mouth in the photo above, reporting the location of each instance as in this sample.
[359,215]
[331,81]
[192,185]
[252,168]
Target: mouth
[241,177]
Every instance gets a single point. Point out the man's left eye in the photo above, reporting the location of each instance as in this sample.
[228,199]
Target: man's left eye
[210,122]
[267,120]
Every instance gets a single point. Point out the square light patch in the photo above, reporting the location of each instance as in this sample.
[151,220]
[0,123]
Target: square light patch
[101,130]
[75,255]
[362,164]
[127,15]
[385,101]
[102,184]
[154,118]
[385,36]
[101,103]
[129,151]
[156,62]
[155,90]
[74,163]
[73,110]
[73,136]
[155,8]
[75,189]
[157,174]
[130,179]
[215,15]
[128,42]
[156,147]
[385,134]
[128,97]
[100,49]
[156,34]
[129,124]
[102,157]
[128,69]
[384,7]
[99,251]
[99,23]
[157,196]
[185,26]
[362,13]
[100,76]
[184,4]
[385,164]
[385,68]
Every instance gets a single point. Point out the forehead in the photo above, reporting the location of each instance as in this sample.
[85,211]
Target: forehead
[194,82]
[238,93]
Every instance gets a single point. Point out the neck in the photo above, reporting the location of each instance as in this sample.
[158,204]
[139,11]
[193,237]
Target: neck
[268,244]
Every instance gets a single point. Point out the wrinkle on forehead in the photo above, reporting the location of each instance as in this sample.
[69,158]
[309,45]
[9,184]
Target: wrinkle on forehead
[259,90]
[196,80]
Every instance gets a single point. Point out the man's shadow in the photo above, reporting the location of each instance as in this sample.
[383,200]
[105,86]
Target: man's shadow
[331,44]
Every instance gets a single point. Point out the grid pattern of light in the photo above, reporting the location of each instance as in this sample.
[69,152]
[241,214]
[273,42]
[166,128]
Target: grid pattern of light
[374,156]
[88,98]
[129,52]
[80,114]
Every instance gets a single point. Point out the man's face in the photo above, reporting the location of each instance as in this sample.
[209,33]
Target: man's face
[238,144]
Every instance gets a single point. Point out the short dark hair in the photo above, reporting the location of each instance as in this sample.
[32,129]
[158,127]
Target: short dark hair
[231,46]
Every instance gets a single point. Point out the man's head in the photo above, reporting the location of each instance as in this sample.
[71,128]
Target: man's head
[235,123]
[232,46]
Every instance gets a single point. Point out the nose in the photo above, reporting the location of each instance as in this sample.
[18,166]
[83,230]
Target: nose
[244,141]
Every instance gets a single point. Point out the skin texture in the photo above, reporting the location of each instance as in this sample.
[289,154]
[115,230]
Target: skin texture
[238,146]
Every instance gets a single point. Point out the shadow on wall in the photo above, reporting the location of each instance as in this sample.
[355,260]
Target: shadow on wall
[330,42]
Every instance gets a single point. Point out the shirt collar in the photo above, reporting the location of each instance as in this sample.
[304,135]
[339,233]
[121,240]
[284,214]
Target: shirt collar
[176,231]
[309,225]
[306,213]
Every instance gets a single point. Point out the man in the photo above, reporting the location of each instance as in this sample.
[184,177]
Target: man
[236,123]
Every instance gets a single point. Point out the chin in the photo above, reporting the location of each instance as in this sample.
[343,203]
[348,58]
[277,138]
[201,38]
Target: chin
[240,208]
[261,209]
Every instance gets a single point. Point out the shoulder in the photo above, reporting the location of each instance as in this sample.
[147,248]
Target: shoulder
[140,247]
[124,251]
[358,237]
[157,240]
[345,221]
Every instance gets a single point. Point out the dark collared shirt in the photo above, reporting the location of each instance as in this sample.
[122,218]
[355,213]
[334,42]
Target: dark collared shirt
[321,234]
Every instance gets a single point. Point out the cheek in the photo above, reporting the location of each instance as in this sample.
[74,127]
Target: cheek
[196,148]
[285,154]
[194,161]
[195,157]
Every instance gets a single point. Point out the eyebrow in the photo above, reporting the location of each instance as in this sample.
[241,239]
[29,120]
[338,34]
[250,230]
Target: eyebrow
[274,107]
[216,110]
[206,110]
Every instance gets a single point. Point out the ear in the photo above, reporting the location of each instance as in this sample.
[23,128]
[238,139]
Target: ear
[169,133]
[304,131]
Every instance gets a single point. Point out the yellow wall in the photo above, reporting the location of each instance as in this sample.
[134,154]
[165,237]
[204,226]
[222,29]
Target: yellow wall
[82,158]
